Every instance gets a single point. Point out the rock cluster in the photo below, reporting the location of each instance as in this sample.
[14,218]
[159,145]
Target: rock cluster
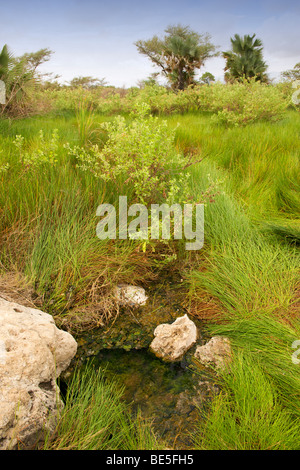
[33,353]
[172,341]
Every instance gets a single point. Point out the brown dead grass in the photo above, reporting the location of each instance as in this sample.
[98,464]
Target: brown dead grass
[97,312]
[14,288]
[292,314]
[204,307]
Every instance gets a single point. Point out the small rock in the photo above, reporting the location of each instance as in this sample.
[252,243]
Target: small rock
[132,296]
[216,352]
[173,340]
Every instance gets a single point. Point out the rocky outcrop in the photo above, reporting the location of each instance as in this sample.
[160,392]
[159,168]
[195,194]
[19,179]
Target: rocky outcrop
[132,296]
[216,352]
[33,353]
[173,340]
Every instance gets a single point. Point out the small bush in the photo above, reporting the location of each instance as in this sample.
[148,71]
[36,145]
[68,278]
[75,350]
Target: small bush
[46,151]
[244,103]
[141,155]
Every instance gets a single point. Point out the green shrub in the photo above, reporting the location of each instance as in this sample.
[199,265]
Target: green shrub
[243,103]
[141,155]
[46,151]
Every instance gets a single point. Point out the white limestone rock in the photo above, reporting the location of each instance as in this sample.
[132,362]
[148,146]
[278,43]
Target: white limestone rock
[216,352]
[173,340]
[133,296]
[33,353]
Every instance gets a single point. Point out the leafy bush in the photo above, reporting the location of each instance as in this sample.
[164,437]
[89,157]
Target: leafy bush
[141,155]
[244,103]
[46,151]
[236,104]
[232,104]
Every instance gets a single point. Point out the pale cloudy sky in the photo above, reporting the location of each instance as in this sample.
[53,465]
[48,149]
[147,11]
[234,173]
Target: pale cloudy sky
[95,37]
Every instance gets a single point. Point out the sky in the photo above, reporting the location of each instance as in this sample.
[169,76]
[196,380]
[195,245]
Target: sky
[96,38]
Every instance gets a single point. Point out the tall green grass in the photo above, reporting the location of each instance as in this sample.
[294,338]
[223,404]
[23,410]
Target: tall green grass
[48,224]
[248,414]
[261,159]
[253,276]
[95,417]
[47,231]
[249,272]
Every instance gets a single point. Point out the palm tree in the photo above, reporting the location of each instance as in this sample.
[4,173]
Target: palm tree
[245,60]
[18,80]
[179,54]
[5,62]
[183,56]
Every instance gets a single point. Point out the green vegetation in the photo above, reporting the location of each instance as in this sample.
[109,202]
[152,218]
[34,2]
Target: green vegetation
[95,417]
[251,267]
[140,155]
[249,414]
[245,60]
[179,54]
[293,74]
[234,147]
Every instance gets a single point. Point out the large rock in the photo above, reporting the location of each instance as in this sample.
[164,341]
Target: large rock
[173,340]
[33,353]
[216,352]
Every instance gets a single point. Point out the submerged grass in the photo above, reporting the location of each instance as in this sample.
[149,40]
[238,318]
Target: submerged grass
[96,418]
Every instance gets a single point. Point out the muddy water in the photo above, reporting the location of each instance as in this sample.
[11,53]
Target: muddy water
[170,394]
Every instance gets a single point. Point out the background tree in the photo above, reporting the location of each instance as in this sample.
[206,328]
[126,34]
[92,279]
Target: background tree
[293,74]
[245,60]
[87,82]
[34,59]
[179,54]
[20,78]
[206,78]
[5,62]
[149,81]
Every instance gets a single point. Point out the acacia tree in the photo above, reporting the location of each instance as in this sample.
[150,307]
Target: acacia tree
[87,82]
[206,78]
[34,59]
[245,60]
[179,54]
[293,74]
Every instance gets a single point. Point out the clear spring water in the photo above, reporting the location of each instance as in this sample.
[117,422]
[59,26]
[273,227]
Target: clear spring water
[170,394]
